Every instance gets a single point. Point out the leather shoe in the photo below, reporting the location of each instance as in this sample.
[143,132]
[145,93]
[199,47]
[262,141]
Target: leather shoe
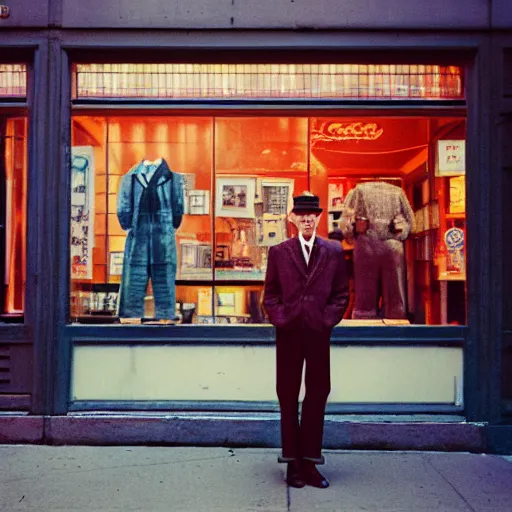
[313,477]
[294,475]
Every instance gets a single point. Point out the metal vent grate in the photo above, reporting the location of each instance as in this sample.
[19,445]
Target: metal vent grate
[267,81]
[5,365]
[13,80]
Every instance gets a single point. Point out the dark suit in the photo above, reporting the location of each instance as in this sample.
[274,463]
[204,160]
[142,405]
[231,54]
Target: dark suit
[304,303]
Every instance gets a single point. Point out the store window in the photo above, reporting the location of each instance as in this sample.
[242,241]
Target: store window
[172,215]
[13,194]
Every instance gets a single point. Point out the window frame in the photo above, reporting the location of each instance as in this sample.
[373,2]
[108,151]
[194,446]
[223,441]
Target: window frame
[414,335]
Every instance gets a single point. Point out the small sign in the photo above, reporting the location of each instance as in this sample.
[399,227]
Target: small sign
[116,263]
[454,240]
[451,157]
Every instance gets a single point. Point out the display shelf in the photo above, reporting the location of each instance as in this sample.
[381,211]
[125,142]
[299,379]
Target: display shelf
[370,322]
[219,282]
[241,275]
[222,275]
[451,276]
[420,234]
[96,319]
[197,275]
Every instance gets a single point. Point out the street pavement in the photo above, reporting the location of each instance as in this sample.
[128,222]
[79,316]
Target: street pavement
[187,479]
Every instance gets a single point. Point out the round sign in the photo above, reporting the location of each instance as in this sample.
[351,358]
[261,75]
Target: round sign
[454,239]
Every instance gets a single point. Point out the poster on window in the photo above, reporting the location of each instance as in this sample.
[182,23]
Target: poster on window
[82,211]
[451,157]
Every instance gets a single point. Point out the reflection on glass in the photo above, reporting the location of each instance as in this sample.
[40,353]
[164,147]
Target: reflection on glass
[13,198]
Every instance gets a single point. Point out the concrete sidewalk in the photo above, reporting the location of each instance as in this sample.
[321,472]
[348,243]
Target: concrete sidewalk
[176,479]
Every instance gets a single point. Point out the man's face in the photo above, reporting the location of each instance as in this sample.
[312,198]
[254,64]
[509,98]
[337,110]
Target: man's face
[306,222]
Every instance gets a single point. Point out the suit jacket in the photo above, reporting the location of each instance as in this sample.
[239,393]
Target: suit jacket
[382,204]
[298,295]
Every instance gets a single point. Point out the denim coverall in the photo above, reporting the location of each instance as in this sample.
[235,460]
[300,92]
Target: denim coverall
[150,211]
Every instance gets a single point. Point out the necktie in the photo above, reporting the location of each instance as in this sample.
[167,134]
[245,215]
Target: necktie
[308,252]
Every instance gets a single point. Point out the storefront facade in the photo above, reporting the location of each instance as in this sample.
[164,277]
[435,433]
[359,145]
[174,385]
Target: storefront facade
[247,111]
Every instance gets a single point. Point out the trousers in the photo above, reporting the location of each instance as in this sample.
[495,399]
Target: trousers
[162,277]
[379,271]
[294,348]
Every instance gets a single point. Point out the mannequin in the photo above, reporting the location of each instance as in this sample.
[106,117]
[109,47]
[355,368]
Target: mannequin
[379,217]
[150,207]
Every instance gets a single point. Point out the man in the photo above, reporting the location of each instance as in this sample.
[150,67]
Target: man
[306,294]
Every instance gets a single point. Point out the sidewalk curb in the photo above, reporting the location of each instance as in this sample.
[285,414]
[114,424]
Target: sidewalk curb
[226,430]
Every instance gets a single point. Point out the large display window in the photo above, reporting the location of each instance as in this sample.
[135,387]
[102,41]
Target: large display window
[13,193]
[172,215]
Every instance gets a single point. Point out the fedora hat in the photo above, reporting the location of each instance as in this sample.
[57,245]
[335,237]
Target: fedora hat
[306,203]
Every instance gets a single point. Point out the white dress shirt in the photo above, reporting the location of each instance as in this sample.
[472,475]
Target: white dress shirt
[150,168]
[307,244]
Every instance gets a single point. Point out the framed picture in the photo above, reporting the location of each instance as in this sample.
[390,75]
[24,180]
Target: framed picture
[222,253]
[188,256]
[273,230]
[116,263]
[276,195]
[451,157]
[199,202]
[335,197]
[235,197]
[204,256]
[225,303]
[195,256]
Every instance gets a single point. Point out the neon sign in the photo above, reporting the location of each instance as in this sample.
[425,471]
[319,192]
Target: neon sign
[333,132]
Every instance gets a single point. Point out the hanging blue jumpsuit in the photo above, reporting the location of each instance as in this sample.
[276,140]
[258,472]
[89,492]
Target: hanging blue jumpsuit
[150,210]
